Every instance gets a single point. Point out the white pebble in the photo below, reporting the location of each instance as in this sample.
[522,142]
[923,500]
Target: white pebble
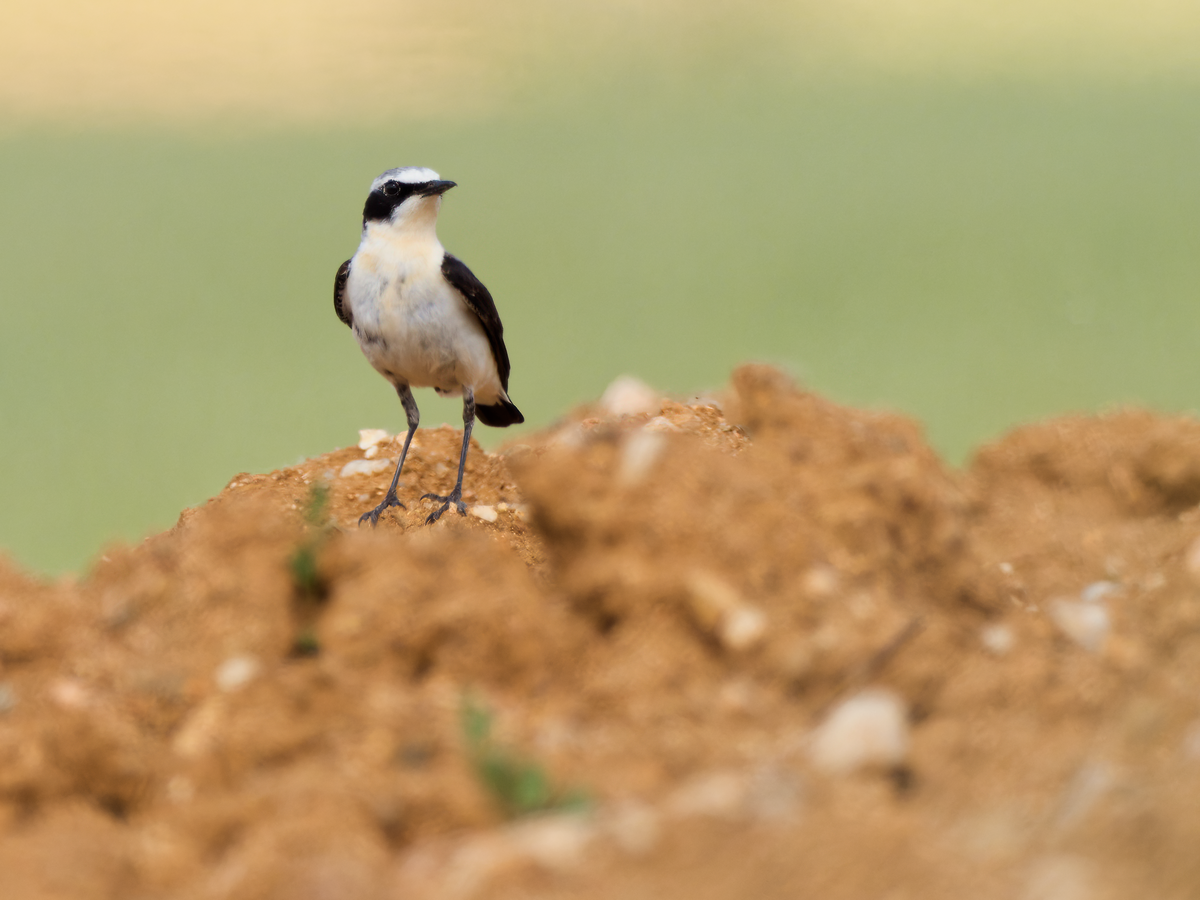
[639,452]
[629,396]
[662,425]
[70,694]
[718,609]
[557,843]
[868,730]
[236,672]
[742,628]
[1087,624]
[487,513]
[998,639]
[369,437]
[1098,590]
[365,467]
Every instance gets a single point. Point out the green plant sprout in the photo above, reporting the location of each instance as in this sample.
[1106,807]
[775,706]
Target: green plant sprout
[306,578]
[303,562]
[518,785]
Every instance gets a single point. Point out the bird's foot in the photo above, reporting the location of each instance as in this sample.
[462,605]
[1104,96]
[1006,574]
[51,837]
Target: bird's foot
[455,497]
[373,515]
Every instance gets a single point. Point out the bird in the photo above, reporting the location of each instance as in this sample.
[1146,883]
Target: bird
[422,318]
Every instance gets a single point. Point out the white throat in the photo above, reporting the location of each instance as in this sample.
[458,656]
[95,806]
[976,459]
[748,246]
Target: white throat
[411,221]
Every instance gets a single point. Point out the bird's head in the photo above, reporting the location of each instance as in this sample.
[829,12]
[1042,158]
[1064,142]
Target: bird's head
[405,197]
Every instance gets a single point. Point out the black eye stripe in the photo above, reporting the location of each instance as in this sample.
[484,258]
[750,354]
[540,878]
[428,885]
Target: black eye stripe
[380,204]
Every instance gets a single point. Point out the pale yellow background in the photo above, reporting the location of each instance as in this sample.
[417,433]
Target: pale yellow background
[330,60]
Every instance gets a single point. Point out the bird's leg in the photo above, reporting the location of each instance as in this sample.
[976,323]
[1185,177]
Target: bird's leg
[414,419]
[455,496]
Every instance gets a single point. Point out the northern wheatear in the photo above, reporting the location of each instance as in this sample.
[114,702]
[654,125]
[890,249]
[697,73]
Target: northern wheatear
[421,317]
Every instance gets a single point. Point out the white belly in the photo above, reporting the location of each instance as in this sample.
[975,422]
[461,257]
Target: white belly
[415,328]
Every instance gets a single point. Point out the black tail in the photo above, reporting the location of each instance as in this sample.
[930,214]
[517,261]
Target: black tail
[501,415]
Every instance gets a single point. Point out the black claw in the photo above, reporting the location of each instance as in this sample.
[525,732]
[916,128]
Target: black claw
[388,501]
[454,497]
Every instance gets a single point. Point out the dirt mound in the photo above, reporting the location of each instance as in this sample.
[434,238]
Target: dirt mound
[757,645]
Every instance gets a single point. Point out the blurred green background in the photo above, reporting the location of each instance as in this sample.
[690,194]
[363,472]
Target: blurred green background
[975,247]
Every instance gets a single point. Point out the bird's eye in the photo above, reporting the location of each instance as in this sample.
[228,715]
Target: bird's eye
[391,188]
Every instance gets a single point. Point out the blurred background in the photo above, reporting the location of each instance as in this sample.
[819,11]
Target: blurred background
[975,213]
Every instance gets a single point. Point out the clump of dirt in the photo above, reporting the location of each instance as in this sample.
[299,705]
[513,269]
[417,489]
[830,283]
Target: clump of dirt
[658,612]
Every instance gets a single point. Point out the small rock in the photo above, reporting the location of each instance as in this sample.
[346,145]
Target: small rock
[70,694]
[8,697]
[1087,624]
[198,733]
[365,467]
[998,639]
[629,396]
[639,452]
[487,513]
[371,437]
[742,628]
[556,843]
[662,425]
[718,609]
[868,730]
[1098,590]
[236,672]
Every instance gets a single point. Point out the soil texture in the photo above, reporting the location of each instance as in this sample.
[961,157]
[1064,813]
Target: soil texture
[747,645]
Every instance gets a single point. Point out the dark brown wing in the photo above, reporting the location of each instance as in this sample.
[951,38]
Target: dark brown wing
[339,294]
[482,304]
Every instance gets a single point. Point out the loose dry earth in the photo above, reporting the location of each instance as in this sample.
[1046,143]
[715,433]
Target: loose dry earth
[669,612]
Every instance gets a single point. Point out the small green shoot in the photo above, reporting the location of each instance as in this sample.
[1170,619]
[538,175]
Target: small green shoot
[519,786]
[318,503]
[306,576]
[303,562]
[306,643]
[303,565]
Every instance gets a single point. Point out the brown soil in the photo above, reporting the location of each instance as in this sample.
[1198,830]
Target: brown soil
[662,614]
